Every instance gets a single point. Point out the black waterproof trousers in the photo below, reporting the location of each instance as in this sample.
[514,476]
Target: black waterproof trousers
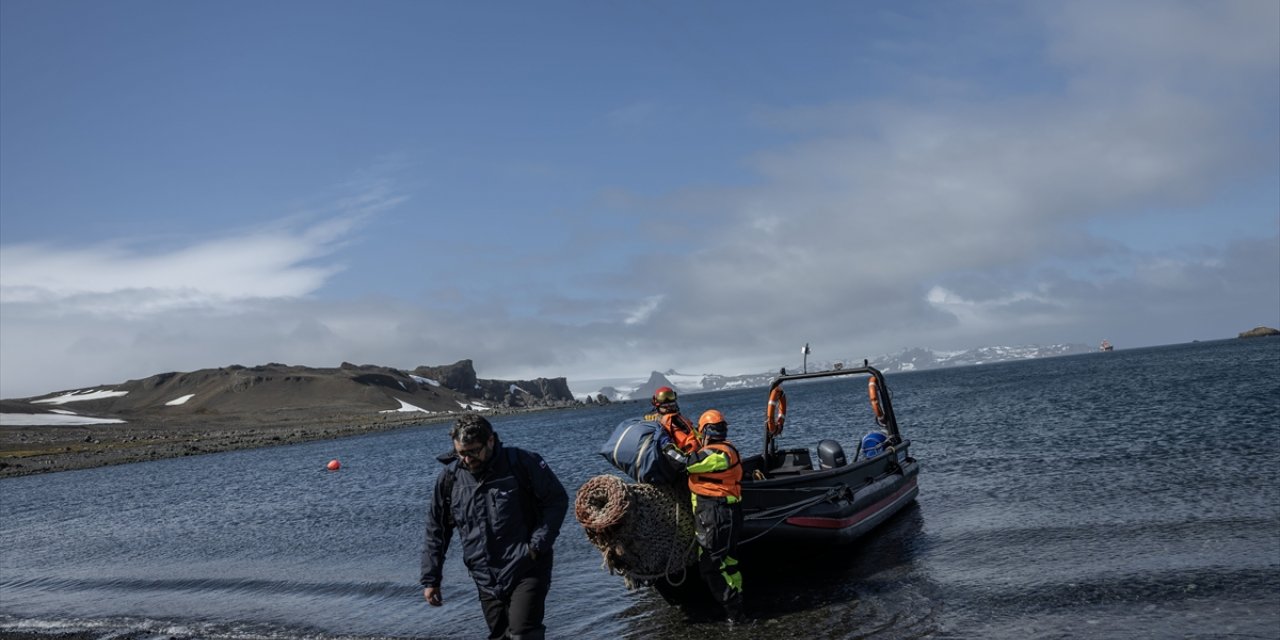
[717,525]
[518,615]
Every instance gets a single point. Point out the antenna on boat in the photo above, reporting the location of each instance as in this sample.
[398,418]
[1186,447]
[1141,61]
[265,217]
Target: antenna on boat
[805,351]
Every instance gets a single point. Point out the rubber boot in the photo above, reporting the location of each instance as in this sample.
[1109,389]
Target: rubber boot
[733,613]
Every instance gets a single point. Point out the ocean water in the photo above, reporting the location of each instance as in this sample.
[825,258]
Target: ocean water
[1132,494]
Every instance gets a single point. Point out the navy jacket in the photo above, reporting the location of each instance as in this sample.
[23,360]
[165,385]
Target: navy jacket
[499,516]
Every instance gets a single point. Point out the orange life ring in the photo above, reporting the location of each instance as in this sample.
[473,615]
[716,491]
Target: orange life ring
[873,392]
[776,413]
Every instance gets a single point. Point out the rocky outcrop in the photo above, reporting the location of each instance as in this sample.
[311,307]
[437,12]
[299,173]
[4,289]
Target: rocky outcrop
[539,392]
[273,387]
[459,376]
[612,393]
[266,392]
[646,390]
[1259,332]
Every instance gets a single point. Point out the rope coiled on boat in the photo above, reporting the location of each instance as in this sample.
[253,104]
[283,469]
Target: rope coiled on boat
[643,531]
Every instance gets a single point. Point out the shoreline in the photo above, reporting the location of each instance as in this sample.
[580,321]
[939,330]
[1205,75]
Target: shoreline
[31,450]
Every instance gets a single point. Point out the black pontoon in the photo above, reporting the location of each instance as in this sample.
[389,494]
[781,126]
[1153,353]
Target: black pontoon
[787,498]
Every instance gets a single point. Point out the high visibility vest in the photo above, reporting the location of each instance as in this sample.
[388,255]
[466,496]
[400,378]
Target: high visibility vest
[679,428]
[718,484]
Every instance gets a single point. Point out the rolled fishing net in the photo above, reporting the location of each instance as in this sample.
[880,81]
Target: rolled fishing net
[644,531]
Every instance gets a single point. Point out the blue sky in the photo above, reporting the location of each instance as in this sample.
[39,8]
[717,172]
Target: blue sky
[598,190]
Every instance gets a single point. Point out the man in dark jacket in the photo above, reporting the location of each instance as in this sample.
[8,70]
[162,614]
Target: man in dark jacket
[507,507]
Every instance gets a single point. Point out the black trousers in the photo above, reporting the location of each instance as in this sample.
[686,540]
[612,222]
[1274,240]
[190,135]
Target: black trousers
[717,525]
[518,615]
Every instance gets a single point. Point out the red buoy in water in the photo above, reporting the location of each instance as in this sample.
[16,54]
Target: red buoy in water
[334,465]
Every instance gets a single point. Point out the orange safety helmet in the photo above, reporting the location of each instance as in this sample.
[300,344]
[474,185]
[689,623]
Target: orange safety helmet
[713,420]
[664,395]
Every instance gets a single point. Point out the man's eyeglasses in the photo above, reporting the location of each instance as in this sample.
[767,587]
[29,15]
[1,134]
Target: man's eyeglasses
[472,453]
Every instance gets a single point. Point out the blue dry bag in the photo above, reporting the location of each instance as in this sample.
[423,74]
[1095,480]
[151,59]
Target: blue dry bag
[873,444]
[635,448]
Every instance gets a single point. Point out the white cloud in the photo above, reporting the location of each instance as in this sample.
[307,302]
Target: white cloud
[117,280]
[644,310]
[1166,41]
[887,202]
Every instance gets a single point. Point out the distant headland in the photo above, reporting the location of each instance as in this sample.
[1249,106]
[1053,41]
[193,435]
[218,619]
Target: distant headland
[1260,332]
[236,407]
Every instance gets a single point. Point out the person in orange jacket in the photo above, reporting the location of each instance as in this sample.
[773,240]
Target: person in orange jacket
[715,482]
[676,428]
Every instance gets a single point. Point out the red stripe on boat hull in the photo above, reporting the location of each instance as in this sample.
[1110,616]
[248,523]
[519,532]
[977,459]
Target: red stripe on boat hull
[842,523]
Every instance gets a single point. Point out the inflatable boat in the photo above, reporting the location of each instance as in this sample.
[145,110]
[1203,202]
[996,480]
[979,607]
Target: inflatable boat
[644,529]
[788,497]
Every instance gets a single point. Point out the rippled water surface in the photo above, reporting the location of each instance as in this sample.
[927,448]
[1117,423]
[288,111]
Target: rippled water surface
[1132,494]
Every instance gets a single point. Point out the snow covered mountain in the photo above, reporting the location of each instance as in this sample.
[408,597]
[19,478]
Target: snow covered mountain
[914,359]
[919,359]
[641,389]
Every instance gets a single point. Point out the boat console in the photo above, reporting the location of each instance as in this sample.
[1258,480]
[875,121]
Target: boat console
[794,462]
[787,462]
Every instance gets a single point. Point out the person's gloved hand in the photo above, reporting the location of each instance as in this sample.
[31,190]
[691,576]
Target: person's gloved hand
[676,454]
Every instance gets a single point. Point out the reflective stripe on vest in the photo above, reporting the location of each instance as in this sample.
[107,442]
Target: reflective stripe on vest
[718,484]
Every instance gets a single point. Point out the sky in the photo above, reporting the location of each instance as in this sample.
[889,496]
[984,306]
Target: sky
[599,190]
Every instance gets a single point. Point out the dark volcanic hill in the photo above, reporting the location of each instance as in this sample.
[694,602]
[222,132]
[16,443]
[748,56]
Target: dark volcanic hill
[278,390]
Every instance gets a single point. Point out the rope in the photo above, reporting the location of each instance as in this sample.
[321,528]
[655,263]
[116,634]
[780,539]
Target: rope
[601,503]
[797,489]
[790,511]
[643,531]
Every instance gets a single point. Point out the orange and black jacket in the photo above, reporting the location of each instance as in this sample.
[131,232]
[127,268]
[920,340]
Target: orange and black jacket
[678,429]
[715,471]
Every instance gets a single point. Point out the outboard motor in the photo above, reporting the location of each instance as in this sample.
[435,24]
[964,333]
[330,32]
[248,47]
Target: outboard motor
[830,455]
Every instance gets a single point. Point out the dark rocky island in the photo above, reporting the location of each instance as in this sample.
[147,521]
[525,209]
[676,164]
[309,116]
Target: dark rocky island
[1259,332]
[180,414]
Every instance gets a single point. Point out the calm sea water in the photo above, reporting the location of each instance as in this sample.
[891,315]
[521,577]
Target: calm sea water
[1132,494]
